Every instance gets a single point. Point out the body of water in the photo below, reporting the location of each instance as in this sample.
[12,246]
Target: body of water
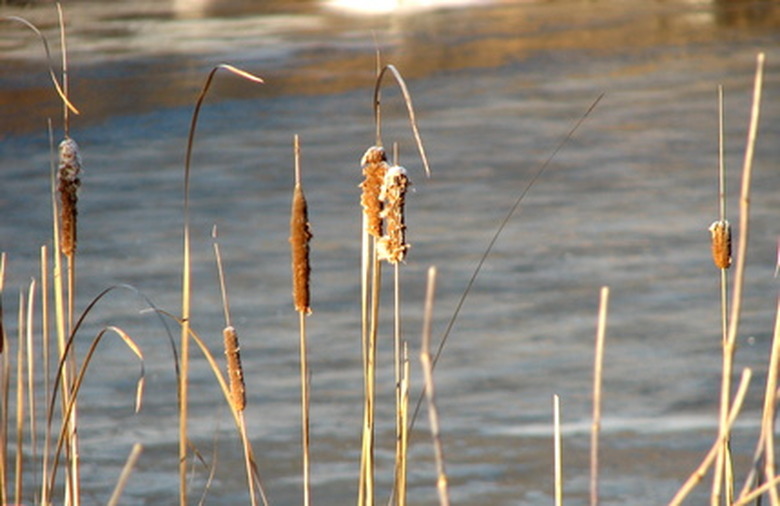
[496,86]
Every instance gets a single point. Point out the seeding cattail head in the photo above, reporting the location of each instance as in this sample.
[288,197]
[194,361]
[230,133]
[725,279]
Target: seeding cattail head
[721,243]
[392,246]
[235,372]
[300,235]
[69,182]
[375,166]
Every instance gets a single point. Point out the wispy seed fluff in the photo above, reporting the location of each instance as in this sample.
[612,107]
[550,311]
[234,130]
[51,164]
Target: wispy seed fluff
[235,372]
[392,246]
[374,163]
[721,243]
[300,235]
[69,182]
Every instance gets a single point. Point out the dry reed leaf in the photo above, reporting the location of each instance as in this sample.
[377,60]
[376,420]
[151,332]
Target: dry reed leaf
[235,372]
[375,166]
[300,235]
[392,246]
[69,183]
[721,243]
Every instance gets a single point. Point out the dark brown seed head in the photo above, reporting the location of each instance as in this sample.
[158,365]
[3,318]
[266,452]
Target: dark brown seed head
[69,182]
[300,235]
[235,372]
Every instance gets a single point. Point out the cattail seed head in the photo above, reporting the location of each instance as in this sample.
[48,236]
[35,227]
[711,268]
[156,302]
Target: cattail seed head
[375,166]
[235,372]
[721,243]
[392,246]
[69,182]
[300,235]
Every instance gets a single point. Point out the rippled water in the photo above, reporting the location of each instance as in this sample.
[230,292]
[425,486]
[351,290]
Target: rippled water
[496,85]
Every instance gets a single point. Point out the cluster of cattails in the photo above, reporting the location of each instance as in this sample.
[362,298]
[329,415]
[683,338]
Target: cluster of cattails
[235,371]
[384,195]
[721,243]
[69,182]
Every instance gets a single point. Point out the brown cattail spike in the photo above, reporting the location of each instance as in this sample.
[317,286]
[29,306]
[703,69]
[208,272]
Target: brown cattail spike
[375,166]
[721,243]
[235,372]
[69,182]
[300,235]
[392,246]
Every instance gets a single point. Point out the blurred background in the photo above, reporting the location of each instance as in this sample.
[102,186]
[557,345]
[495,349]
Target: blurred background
[496,86]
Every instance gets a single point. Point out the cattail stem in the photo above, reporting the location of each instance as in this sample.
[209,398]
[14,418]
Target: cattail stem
[601,331]
[430,394]
[300,235]
[557,451]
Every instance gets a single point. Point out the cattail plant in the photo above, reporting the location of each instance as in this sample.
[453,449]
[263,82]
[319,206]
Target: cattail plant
[300,235]
[382,201]
[186,291]
[392,245]
[236,385]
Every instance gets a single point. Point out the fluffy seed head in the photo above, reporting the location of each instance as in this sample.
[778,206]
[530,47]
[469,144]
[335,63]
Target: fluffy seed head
[375,166]
[69,182]
[721,243]
[235,372]
[392,246]
[300,235]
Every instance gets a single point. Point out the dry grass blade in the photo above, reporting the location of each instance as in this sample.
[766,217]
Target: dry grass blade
[63,96]
[497,234]
[187,275]
[74,392]
[696,477]
[601,332]
[409,107]
[430,394]
[2,286]
[558,451]
[132,459]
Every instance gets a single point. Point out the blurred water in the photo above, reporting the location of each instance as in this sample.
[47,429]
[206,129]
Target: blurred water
[496,86]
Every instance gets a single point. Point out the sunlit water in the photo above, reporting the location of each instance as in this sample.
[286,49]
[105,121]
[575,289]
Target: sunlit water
[496,86]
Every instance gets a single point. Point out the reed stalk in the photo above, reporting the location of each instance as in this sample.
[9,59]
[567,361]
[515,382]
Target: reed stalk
[132,460]
[430,393]
[557,452]
[601,331]
[300,235]
[235,372]
[19,461]
[186,289]
[4,390]
[729,344]
[770,410]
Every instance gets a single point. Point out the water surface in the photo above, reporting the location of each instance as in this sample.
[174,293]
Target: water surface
[496,85]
